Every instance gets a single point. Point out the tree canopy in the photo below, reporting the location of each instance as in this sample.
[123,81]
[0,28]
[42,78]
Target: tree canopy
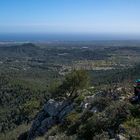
[74,81]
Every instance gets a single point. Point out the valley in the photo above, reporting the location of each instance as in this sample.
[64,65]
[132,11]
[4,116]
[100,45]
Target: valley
[30,73]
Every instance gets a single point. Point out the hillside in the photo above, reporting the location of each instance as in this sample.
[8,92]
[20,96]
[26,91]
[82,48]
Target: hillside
[33,81]
[86,114]
[24,50]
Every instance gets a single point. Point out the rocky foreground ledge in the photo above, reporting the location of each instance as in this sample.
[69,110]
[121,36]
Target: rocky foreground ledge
[54,112]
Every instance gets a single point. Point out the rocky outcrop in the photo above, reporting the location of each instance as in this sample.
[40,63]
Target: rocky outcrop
[52,113]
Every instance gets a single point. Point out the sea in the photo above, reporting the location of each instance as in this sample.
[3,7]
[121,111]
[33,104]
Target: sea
[43,37]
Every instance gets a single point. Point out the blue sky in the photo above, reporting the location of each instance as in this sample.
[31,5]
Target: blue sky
[70,16]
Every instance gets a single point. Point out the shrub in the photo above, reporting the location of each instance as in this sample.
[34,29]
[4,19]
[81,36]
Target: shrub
[93,126]
[101,103]
[74,81]
[135,110]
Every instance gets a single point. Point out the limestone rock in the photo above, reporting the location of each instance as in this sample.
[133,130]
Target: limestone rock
[52,113]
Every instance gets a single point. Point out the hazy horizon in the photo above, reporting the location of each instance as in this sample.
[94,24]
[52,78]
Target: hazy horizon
[42,37]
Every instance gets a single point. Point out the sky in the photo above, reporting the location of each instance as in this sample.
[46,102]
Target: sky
[70,16]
